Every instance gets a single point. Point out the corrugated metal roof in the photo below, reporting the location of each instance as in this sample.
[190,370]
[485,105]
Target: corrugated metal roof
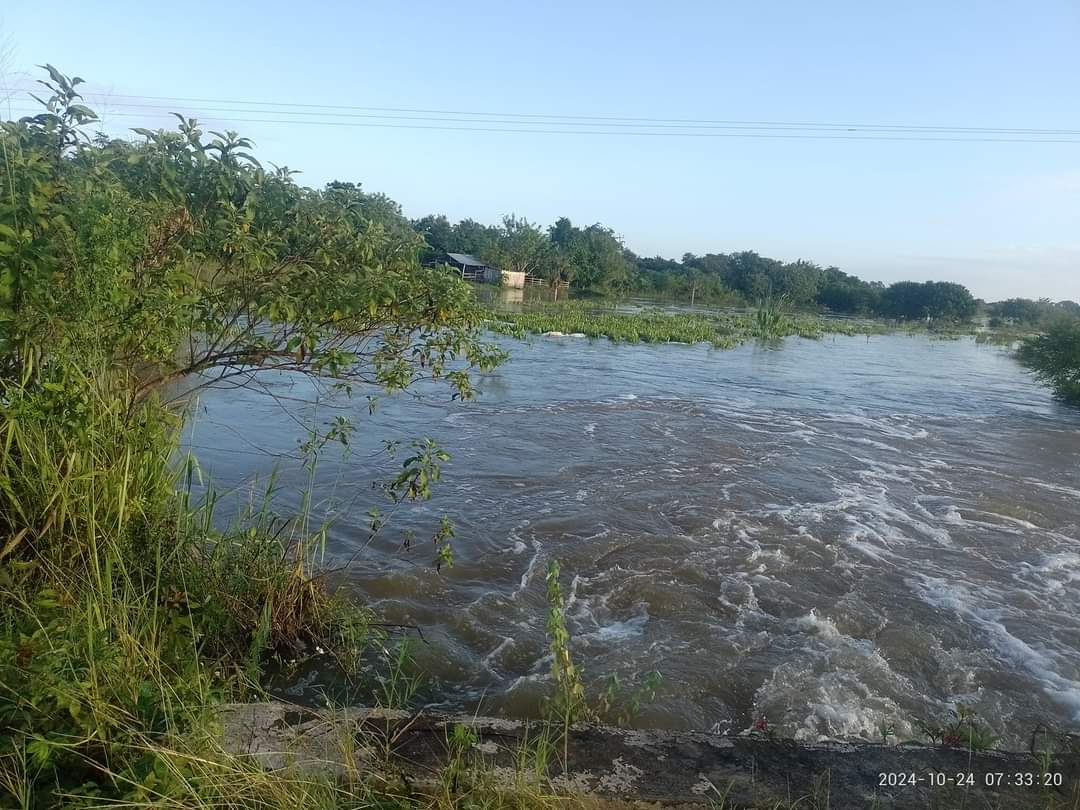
[467,260]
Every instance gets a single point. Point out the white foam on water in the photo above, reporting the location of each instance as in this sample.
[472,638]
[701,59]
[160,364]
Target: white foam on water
[1065,561]
[571,597]
[878,445]
[1040,664]
[604,532]
[826,696]
[753,429]
[765,556]
[738,595]
[518,544]
[589,428]
[488,660]
[527,576]
[952,516]
[1053,487]
[518,547]
[620,630]
[883,425]
[1021,524]
[817,625]
[1056,571]
[949,514]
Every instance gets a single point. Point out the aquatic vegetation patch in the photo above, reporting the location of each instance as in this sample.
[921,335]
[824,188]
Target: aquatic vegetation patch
[723,330]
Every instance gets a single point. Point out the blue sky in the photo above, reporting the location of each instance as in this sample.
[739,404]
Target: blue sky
[1003,218]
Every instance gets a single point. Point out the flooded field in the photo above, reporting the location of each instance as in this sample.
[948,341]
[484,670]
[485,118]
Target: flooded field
[834,533]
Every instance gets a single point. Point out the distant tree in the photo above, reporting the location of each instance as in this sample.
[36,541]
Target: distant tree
[438,233]
[797,282]
[1021,310]
[594,256]
[596,259]
[376,208]
[521,247]
[695,278]
[471,237]
[929,300]
[659,265]
[563,234]
[716,265]
[751,274]
[603,266]
[841,292]
[1070,308]
[951,301]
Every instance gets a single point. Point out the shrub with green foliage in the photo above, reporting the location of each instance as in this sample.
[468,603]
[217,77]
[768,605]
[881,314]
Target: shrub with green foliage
[1054,357]
[125,612]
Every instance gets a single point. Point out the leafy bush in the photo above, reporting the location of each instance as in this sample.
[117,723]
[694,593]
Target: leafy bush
[1054,357]
[124,612]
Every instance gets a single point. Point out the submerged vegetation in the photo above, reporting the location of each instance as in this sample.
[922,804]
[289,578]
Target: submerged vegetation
[1052,354]
[723,330]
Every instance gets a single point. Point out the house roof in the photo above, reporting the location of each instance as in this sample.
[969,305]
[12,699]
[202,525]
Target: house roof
[467,260]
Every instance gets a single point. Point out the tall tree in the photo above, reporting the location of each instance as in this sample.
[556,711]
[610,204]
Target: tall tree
[521,247]
[438,235]
[929,300]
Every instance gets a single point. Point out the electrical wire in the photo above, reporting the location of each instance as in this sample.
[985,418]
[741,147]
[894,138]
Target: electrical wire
[535,123]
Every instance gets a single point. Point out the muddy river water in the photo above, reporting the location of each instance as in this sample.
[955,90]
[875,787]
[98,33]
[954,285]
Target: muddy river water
[832,533]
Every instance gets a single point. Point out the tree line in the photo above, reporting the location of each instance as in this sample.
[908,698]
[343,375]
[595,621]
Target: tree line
[595,260]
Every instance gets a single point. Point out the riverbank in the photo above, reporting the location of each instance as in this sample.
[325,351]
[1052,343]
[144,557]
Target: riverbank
[423,754]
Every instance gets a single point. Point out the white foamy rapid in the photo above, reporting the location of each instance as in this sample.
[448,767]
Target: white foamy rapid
[842,535]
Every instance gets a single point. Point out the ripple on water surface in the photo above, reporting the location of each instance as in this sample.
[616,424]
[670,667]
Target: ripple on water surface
[834,533]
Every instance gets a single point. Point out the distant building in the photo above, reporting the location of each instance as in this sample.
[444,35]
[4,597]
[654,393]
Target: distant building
[473,269]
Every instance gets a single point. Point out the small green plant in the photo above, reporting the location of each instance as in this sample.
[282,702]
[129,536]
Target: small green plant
[569,703]
[886,729]
[770,320]
[620,705]
[963,729]
[459,761]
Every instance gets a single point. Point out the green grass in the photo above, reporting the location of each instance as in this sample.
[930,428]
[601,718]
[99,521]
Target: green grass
[124,616]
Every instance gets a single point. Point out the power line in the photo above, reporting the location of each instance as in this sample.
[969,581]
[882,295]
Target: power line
[746,132]
[501,119]
[537,118]
[799,124]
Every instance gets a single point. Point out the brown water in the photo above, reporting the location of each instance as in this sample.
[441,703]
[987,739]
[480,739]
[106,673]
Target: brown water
[833,532]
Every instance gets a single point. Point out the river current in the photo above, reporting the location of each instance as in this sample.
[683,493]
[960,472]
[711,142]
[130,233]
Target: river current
[833,533]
